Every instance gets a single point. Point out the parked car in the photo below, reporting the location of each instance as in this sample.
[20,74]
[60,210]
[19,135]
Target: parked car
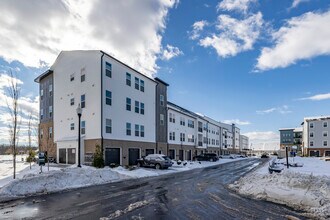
[206,157]
[264,156]
[158,161]
[228,156]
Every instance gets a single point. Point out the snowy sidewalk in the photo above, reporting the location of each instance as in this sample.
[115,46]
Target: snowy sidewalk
[30,182]
[306,188]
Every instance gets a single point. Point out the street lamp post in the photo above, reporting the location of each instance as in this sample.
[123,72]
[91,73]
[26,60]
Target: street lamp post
[79,112]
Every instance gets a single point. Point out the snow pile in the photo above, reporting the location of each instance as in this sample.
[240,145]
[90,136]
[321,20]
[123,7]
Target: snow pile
[62,177]
[57,180]
[305,188]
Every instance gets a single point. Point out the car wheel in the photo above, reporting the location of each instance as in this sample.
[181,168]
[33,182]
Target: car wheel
[157,166]
[211,160]
[138,165]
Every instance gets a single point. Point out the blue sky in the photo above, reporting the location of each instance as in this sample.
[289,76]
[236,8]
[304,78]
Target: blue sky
[261,64]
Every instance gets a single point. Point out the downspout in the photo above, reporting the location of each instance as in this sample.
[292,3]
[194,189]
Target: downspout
[102,149]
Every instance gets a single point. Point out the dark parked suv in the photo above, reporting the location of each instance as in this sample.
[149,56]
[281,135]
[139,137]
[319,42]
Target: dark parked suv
[206,157]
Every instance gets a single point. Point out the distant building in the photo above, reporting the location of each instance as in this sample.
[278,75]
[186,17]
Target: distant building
[290,137]
[316,139]
[243,143]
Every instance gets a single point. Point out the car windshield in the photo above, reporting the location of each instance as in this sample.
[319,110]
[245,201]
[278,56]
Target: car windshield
[166,158]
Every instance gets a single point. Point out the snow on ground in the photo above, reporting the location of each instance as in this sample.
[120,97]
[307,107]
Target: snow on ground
[62,177]
[306,188]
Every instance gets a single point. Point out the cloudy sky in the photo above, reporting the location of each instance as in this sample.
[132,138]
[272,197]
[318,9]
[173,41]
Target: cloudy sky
[260,64]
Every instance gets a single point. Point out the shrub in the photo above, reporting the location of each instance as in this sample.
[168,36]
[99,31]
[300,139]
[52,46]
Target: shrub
[98,160]
[31,157]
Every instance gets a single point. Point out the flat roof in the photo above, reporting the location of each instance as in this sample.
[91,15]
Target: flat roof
[315,118]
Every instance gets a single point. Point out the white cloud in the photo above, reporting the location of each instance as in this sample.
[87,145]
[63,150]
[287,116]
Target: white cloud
[295,3]
[302,37]
[263,140]
[282,110]
[235,5]
[35,31]
[317,97]
[198,27]
[237,122]
[170,51]
[235,35]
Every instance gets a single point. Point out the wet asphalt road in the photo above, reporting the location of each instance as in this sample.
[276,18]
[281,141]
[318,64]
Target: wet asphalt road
[195,194]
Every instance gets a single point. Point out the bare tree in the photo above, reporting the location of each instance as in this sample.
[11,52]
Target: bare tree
[14,93]
[30,137]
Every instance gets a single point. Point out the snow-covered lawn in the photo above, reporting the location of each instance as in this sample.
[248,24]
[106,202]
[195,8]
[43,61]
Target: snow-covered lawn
[59,177]
[306,188]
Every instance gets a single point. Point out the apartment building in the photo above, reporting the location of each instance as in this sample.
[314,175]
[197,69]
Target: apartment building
[243,143]
[124,112]
[46,103]
[316,141]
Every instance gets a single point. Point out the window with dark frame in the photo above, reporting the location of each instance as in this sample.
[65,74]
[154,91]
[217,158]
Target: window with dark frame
[137,83]
[128,129]
[108,97]
[72,101]
[128,104]
[128,79]
[83,127]
[72,126]
[137,131]
[142,131]
[137,108]
[82,101]
[161,98]
[142,108]
[141,85]
[108,126]
[108,69]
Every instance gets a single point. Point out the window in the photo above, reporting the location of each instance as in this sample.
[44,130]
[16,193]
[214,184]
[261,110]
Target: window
[82,77]
[182,137]
[172,136]
[41,113]
[172,117]
[325,134]
[128,79]
[311,134]
[108,69]
[108,126]
[190,138]
[136,83]
[50,89]
[50,111]
[137,127]
[161,98]
[128,129]
[72,101]
[142,108]
[141,85]
[137,108]
[72,126]
[83,127]
[200,125]
[41,94]
[311,143]
[182,121]
[41,133]
[50,132]
[108,96]
[325,124]
[71,77]
[311,125]
[128,104]
[325,143]
[82,101]
[142,131]
[161,119]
